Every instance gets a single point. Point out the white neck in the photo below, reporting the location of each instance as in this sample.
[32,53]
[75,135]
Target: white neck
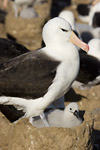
[62,53]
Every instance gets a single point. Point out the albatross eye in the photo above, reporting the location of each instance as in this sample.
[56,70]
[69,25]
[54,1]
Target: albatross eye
[64,30]
[70,108]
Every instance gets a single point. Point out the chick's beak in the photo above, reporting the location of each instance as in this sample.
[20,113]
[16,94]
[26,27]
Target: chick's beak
[76,113]
[76,41]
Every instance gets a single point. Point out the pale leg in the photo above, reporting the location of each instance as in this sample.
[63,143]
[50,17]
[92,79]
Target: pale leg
[43,118]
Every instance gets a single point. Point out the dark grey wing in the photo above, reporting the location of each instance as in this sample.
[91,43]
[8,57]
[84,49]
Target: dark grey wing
[10,49]
[89,68]
[28,75]
[11,113]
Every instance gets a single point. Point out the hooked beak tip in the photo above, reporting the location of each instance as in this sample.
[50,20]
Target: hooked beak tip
[76,113]
[86,48]
[75,40]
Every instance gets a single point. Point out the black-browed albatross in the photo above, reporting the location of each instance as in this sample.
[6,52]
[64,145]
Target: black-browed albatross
[49,71]
[89,74]
[89,66]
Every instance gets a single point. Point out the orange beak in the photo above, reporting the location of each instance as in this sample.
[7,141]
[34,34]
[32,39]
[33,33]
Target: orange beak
[76,41]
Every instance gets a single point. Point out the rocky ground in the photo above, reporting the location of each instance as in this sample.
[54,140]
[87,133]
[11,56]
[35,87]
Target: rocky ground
[22,135]
[89,101]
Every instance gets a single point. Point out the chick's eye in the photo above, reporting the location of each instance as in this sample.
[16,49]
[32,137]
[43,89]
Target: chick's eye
[64,30]
[70,108]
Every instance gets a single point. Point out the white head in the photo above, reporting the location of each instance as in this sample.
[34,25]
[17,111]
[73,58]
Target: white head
[58,31]
[94,46]
[73,109]
[93,10]
[69,16]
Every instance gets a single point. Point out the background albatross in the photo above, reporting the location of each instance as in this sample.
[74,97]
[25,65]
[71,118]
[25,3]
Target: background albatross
[49,72]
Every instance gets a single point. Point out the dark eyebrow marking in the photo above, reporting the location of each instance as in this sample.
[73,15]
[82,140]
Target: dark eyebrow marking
[64,30]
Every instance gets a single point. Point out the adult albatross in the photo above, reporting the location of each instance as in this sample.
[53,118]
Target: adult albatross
[89,66]
[49,71]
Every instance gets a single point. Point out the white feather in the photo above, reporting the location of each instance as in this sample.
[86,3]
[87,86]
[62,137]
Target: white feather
[59,118]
